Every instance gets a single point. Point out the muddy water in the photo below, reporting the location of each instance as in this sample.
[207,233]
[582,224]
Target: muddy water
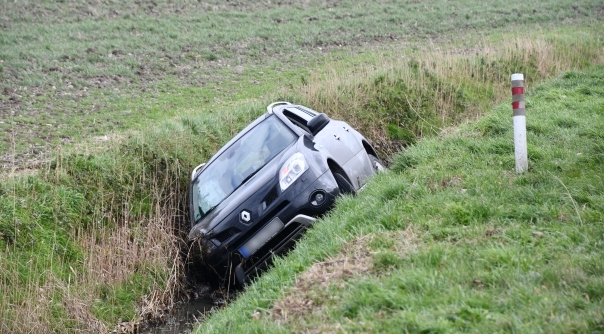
[188,313]
[183,317]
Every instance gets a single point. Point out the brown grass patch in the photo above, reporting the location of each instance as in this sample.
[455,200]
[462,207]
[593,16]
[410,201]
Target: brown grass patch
[115,255]
[80,312]
[149,246]
[309,293]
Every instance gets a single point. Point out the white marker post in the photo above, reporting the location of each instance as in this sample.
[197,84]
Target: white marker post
[520,150]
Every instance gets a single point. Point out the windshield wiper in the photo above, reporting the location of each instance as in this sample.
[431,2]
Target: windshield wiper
[206,213]
[249,176]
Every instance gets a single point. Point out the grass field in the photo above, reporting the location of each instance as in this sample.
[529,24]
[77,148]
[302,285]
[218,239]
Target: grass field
[75,70]
[106,106]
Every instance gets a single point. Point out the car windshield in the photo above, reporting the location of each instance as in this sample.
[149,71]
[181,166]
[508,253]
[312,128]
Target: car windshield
[238,163]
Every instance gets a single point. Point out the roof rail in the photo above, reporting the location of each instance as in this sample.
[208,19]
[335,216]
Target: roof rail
[270,107]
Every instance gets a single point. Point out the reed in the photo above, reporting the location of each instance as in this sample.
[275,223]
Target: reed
[397,98]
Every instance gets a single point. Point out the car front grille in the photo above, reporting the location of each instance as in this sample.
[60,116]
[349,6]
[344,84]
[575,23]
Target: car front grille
[225,235]
[271,196]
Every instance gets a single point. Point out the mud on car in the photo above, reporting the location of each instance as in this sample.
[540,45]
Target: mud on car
[259,193]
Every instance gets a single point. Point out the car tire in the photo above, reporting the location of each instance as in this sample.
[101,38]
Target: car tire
[377,164]
[343,184]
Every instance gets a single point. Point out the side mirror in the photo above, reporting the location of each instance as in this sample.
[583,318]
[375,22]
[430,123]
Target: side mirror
[317,123]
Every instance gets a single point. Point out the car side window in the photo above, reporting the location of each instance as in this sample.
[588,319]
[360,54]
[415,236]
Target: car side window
[296,120]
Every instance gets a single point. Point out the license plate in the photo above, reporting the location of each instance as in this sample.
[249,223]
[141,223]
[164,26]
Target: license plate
[260,238]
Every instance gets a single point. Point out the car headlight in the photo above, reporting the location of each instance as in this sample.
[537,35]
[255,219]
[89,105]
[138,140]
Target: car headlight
[292,169]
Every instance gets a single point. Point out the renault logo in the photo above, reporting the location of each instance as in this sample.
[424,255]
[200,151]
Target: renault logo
[246,216]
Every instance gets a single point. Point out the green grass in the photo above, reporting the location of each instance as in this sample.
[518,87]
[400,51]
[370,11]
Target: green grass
[492,250]
[95,230]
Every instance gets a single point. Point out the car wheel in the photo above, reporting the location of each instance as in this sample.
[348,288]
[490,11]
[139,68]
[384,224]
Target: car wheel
[343,184]
[377,164]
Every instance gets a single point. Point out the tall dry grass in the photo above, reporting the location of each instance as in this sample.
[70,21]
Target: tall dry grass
[424,91]
[47,304]
[118,249]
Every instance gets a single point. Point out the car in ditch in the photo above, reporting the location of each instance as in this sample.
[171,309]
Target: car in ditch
[259,193]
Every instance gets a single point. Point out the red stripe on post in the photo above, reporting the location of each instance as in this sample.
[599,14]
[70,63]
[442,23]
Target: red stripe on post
[517,90]
[515,104]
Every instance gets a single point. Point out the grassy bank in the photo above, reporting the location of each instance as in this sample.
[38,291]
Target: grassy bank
[453,240]
[94,236]
[102,231]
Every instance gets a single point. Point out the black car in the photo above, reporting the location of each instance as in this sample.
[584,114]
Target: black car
[257,195]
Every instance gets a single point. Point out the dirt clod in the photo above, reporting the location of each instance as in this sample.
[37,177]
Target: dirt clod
[492,232]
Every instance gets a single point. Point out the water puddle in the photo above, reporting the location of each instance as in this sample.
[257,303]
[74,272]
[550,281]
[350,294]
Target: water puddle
[188,313]
[183,317]
[200,296]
